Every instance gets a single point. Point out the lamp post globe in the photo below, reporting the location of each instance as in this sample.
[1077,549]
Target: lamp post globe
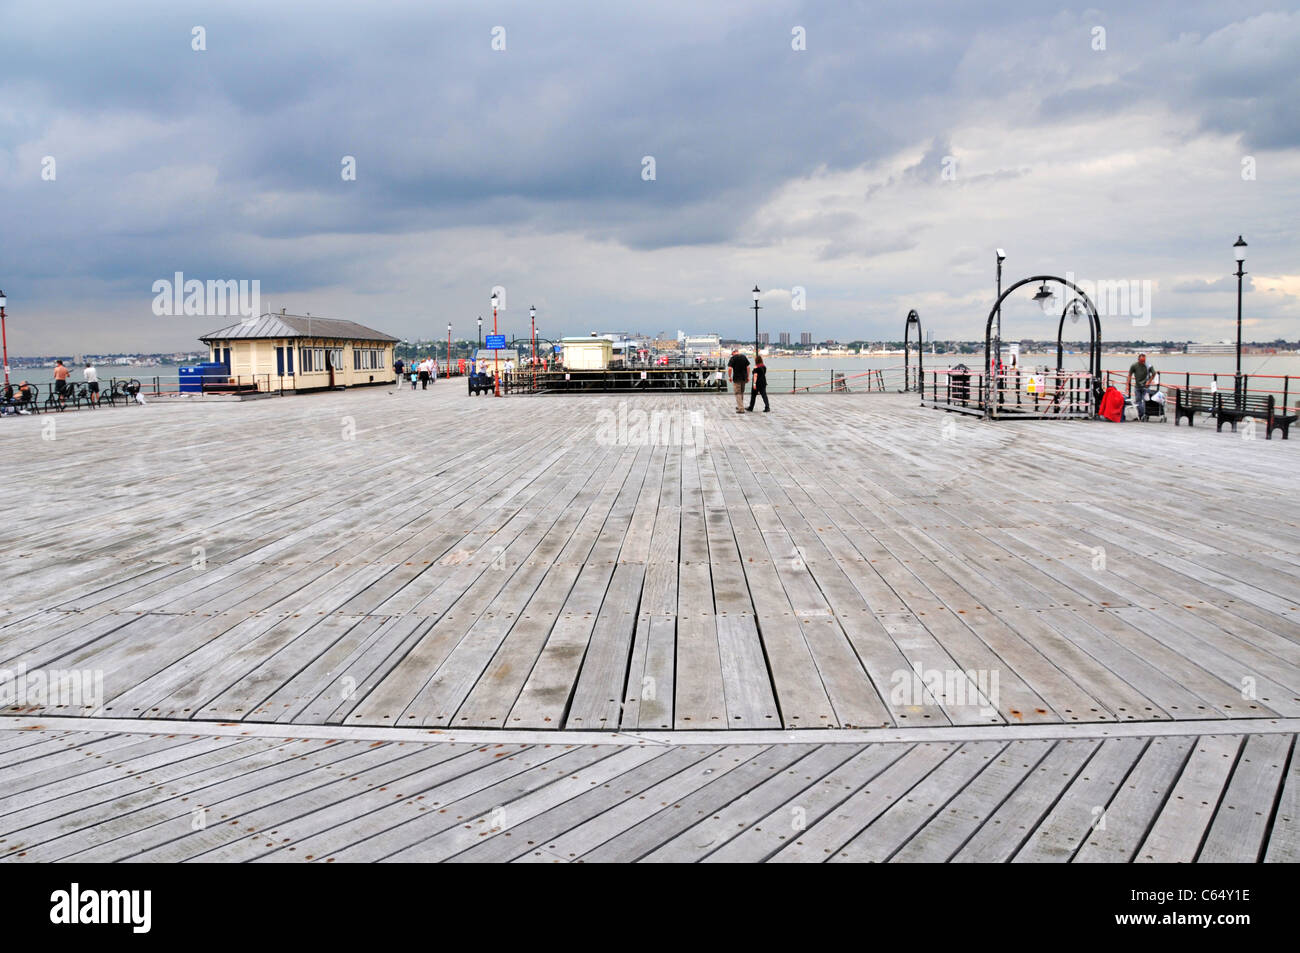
[1044,296]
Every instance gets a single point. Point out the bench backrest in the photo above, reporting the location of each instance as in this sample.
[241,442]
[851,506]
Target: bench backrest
[1254,404]
[1194,398]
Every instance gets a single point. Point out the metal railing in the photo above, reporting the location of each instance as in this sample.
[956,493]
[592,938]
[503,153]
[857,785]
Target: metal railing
[703,378]
[1014,393]
[1279,385]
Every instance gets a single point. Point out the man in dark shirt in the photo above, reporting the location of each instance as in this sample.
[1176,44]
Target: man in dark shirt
[760,384]
[1140,374]
[738,371]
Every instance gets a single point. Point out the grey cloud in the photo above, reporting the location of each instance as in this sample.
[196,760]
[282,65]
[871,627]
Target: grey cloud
[226,162]
[1226,283]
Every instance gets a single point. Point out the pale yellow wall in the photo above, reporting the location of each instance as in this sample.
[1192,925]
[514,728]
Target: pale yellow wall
[588,355]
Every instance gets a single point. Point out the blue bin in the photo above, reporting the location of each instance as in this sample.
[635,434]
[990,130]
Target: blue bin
[193,376]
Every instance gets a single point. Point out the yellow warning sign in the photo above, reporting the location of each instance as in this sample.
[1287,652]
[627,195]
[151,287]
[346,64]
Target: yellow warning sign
[1031,385]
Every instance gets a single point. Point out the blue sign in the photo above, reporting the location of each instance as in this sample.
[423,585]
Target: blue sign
[559,348]
[496,342]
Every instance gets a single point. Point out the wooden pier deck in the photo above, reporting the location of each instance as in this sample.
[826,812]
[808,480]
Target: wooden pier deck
[561,569]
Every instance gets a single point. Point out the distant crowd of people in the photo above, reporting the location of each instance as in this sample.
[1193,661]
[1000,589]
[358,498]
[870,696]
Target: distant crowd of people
[423,373]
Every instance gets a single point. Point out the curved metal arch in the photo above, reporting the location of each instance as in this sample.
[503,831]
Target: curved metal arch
[1094,331]
[913,318]
[1094,361]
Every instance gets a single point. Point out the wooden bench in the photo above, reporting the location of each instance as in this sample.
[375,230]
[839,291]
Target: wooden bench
[1190,401]
[1228,408]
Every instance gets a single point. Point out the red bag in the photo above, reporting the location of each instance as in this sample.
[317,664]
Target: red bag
[1112,405]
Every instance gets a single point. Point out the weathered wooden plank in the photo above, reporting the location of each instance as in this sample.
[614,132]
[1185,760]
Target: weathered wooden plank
[1237,833]
[827,837]
[1083,804]
[1007,828]
[1176,835]
[945,833]
[885,835]
[1120,830]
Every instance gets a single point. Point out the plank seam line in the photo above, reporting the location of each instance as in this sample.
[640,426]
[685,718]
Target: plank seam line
[810,736]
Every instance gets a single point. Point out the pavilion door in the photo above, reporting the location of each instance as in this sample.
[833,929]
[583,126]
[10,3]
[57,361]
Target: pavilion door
[329,364]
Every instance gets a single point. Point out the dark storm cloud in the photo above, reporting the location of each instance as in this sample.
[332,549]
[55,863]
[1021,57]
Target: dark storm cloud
[226,162]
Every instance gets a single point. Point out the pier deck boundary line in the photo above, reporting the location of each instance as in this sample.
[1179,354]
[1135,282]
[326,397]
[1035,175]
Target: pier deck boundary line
[807,736]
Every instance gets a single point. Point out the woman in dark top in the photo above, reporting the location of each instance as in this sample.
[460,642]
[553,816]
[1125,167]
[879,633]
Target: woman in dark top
[760,384]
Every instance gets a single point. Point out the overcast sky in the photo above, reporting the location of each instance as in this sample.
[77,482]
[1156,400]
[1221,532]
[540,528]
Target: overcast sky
[877,169]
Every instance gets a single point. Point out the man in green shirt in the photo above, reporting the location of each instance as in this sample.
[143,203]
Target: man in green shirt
[1140,374]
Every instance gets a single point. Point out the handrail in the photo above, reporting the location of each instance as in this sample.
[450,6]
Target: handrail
[1246,379]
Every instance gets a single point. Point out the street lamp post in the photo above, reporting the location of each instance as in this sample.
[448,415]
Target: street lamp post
[756,293]
[449,349]
[4,337]
[997,336]
[1239,249]
[496,354]
[532,320]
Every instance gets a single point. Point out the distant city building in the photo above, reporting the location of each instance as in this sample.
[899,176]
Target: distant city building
[805,337]
[830,341]
[764,338]
[1223,347]
[784,338]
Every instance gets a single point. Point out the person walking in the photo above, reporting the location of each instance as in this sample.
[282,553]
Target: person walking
[738,371]
[60,381]
[424,374]
[759,387]
[1141,374]
[399,367]
[91,377]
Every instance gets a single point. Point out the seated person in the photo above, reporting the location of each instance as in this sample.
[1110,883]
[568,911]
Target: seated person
[20,399]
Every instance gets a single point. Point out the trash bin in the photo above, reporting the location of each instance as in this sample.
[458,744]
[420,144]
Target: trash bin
[959,382]
[193,377]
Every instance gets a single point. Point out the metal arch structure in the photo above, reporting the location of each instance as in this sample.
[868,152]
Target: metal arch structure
[913,319]
[1094,342]
[1094,358]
